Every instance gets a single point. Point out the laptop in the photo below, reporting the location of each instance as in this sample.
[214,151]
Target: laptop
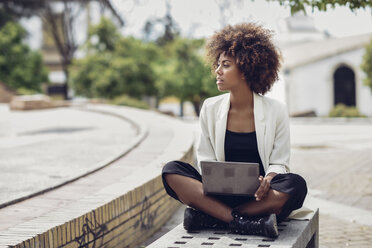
[230,178]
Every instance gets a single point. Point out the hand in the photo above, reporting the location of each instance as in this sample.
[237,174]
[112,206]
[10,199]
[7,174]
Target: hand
[264,187]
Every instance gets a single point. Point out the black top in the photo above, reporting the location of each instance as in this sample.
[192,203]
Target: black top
[242,147]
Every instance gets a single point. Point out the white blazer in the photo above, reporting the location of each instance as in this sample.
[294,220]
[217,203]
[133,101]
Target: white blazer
[272,131]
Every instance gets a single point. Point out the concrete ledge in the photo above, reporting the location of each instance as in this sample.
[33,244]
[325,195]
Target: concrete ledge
[33,102]
[292,233]
[118,206]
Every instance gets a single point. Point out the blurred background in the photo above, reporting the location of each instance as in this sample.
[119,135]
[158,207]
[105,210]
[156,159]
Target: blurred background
[150,54]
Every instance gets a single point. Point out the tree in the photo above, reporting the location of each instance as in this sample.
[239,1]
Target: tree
[6,17]
[324,5]
[185,74]
[61,22]
[20,68]
[170,28]
[367,65]
[180,68]
[114,65]
[104,36]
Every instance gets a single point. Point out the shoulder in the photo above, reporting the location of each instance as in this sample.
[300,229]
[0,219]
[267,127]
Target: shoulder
[215,100]
[274,107]
[213,106]
[273,103]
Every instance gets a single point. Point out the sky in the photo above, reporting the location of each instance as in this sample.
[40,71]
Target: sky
[201,18]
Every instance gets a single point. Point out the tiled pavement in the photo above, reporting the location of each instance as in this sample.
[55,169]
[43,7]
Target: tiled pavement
[336,160]
[335,233]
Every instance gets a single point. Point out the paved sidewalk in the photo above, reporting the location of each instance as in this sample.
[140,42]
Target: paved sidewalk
[336,233]
[40,149]
[335,159]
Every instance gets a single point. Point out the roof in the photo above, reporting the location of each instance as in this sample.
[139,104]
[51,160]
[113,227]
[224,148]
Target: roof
[300,22]
[310,52]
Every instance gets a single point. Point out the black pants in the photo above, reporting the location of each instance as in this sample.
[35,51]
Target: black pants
[292,184]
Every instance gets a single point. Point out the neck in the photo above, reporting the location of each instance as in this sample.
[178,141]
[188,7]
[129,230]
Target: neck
[241,99]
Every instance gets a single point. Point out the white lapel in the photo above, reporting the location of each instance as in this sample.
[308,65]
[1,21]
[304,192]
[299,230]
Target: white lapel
[220,131]
[260,125]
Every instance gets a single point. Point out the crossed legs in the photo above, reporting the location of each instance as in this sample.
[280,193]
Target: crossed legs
[190,192]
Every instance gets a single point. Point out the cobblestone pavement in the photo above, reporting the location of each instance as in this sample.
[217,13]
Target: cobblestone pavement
[335,233]
[335,158]
[43,148]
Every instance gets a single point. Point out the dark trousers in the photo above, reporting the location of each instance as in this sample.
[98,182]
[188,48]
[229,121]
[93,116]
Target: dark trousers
[292,184]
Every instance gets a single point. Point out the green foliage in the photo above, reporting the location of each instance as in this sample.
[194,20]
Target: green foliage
[184,72]
[5,17]
[114,66]
[19,66]
[324,5]
[367,65]
[125,100]
[108,75]
[341,110]
[170,30]
[24,91]
[106,36]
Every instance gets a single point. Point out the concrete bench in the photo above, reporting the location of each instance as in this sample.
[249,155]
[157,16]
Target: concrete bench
[292,233]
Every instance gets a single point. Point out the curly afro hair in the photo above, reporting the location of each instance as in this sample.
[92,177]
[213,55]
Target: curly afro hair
[253,50]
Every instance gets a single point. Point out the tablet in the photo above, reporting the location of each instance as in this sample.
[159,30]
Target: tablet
[230,178]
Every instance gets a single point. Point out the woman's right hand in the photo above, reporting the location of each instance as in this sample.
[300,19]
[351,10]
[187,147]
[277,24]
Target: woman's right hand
[264,187]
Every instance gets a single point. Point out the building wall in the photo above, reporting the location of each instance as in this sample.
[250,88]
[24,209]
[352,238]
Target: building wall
[310,87]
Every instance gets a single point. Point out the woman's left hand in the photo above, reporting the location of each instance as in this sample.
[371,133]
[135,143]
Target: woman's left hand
[264,187]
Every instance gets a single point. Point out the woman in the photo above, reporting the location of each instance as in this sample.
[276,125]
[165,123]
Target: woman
[241,126]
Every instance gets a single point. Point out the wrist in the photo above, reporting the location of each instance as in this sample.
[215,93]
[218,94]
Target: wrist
[271,175]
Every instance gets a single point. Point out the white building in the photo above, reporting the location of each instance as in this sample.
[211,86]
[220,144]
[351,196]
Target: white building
[320,73]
